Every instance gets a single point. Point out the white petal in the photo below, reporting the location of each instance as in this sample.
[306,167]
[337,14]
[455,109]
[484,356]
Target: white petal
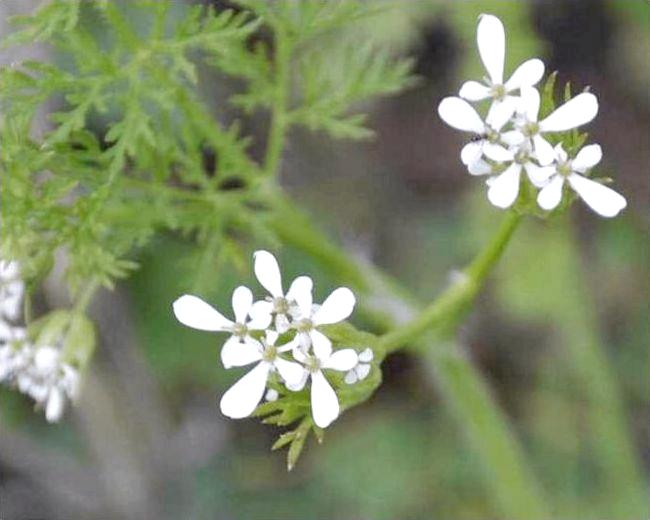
[505,188]
[543,150]
[300,292]
[603,200]
[299,355]
[291,345]
[491,40]
[337,307]
[300,384]
[304,340]
[527,74]
[539,175]
[260,314]
[321,345]
[236,353]
[474,91]
[55,405]
[292,373]
[366,356]
[549,197]
[324,403]
[529,103]
[362,371]
[479,167]
[195,313]
[271,395]
[587,158]
[342,360]
[351,377]
[459,114]
[271,337]
[575,112]
[267,272]
[471,152]
[242,301]
[241,399]
[281,323]
[513,137]
[501,111]
[560,153]
[497,152]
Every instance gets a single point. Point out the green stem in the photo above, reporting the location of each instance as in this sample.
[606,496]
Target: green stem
[515,491]
[512,484]
[279,123]
[445,311]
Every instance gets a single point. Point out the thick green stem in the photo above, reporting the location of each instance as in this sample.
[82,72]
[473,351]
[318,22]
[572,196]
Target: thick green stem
[516,494]
[485,426]
[445,310]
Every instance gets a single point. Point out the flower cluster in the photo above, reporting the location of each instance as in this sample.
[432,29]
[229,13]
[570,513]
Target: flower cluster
[512,139]
[35,370]
[305,354]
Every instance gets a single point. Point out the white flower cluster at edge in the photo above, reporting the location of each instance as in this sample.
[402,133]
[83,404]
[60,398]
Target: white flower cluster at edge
[511,139]
[35,370]
[254,334]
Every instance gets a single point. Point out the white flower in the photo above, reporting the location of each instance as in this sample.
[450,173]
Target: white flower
[336,307]
[572,114]
[504,188]
[40,373]
[241,399]
[361,370]
[194,312]
[491,40]
[12,289]
[600,198]
[489,141]
[324,402]
[268,274]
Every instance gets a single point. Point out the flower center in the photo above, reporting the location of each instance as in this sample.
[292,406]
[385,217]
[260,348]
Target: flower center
[312,364]
[304,325]
[280,305]
[530,129]
[270,352]
[522,157]
[491,135]
[564,168]
[239,329]
[498,92]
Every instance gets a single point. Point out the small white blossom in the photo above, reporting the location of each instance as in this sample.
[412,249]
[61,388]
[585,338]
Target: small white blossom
[490,141]
[40,373]
[12,290]
[282,306]
[572,114]
[336,308]
[194,312]
[361,370]
[491,41]
[325,406]
[271,395]
[241,399]
[504,188]
[603,200]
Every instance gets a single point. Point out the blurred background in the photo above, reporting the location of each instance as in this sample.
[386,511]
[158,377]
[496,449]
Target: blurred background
[147,439]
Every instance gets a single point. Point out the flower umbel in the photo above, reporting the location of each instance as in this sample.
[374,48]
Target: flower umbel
[256,332]
[512,137]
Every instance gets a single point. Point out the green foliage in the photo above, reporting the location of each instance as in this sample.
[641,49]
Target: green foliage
[125,154]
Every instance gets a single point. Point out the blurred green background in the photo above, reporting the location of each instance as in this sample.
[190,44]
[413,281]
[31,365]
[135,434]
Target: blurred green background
[147,440]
